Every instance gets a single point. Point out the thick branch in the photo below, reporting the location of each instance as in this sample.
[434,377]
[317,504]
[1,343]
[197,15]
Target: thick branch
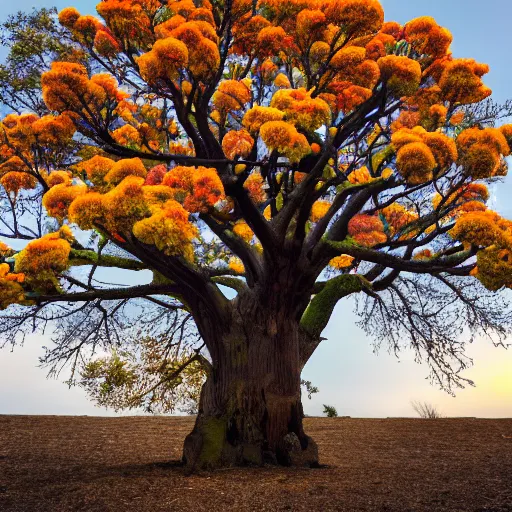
[109,294]
[86,257]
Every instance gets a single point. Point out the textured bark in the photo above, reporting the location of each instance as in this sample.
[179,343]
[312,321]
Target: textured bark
[250,410]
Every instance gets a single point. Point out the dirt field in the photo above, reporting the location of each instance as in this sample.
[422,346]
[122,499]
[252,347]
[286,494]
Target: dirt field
[56,464]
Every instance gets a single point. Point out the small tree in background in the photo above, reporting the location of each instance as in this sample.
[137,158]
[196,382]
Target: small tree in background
[330,411]
[426,410]
[296,152]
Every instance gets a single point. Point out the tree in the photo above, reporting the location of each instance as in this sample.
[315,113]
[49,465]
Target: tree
[33,40]
[295,153]
[426,410]
[330,411]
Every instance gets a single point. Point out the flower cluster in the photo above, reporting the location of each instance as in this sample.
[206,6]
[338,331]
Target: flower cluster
[397,218]
[341,262]
[67,88]
[43,259]
[198,189]
[284,138]
[401,74]
[420,152]
[169,230]
[237,143]
[481,152]
[301,109]
[231,95]
[367,230]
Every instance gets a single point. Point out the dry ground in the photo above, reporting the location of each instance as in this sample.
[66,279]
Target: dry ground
[56,464]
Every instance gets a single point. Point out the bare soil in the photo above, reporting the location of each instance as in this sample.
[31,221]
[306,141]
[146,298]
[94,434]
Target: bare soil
[50,463]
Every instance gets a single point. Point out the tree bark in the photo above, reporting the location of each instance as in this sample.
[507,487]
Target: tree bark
[250,410]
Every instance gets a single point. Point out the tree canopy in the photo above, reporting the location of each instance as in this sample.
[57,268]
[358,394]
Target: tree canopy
[295,152]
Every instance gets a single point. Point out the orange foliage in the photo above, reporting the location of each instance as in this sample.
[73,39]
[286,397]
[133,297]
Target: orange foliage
[198,189]
[58,199]
[401,74]
[254,185]
[237,143]
[284,137]
[169,230]
[480,152]
[367,230]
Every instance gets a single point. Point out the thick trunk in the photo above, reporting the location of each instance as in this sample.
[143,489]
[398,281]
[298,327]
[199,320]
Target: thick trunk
[250,410]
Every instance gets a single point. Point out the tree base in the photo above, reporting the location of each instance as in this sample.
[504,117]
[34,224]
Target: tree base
[209,447]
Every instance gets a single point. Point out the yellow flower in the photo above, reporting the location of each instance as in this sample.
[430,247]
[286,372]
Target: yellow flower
[319,210]
[236,265]
[242,230]
[341,262]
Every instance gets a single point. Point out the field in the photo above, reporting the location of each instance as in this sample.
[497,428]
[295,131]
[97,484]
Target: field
[50,463]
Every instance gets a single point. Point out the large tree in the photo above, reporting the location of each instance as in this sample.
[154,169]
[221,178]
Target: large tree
[295,152]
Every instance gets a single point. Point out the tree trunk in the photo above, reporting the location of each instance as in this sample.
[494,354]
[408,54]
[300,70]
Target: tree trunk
[250,410]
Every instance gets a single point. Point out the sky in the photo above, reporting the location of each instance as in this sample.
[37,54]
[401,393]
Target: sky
[350,376]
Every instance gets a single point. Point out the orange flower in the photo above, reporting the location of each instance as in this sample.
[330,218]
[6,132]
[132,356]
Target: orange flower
[169,230]
[48,254]
[128,167]
[319,210]
[480,228]
[58,199]
[237,143]
[97,168]
[401,74]
[58,177]
[461,81]
[198,189]
[242,230]
[341,262]
[86,210]
[480,151]
[301,109]
[352,66]
[427,37]
[366,230]
[357,17]
[283,137]
[254,185]
[68,17]
[13,182]
[256,116]
[415,162]
[236,265]
[231,95]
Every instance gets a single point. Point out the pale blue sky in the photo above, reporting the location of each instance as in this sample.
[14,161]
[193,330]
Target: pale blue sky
[350,377]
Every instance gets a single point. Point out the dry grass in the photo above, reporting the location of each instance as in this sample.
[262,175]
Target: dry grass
[88,464]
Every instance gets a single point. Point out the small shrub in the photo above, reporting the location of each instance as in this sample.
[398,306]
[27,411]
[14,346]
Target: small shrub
[426,410]
[330,411]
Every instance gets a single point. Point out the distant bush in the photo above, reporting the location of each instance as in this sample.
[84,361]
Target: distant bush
[330,411]
[426,410]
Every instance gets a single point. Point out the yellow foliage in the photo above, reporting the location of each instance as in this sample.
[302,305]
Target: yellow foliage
[123,168]
[242,230]
[49,253]
[169,230]
[256,116]
[401,74]
[58,199]
[237,143]
[301,109]
[284,137]
[236,265]
[341,262]
[319,210]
